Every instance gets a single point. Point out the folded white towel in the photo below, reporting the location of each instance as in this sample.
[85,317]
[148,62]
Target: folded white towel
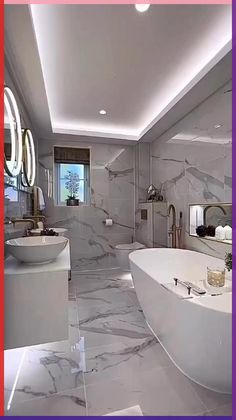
[41,202]
[40,225]
[130,411]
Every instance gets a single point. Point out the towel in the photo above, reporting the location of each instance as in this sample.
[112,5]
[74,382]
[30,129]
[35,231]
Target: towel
[41,202]
[40,225]
[130,411]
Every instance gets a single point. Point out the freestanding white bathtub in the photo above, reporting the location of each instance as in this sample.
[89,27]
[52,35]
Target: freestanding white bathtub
[196,333]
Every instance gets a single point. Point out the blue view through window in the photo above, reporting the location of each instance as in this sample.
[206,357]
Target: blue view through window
[79,169]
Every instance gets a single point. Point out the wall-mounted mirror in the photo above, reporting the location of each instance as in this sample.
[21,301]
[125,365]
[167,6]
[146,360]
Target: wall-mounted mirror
[12,135]
[29,164]
[19,151]
[211,221]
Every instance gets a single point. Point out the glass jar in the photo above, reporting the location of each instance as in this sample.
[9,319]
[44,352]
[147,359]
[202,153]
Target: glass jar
[216,276]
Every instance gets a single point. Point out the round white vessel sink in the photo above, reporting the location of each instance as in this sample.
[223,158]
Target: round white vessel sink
[60,231]
[36,250]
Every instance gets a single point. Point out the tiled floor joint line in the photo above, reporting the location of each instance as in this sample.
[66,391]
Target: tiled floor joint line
[110,361]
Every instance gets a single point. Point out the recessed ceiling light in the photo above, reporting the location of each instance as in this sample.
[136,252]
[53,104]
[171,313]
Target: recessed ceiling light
[102,112]
[142,7]
[217,125]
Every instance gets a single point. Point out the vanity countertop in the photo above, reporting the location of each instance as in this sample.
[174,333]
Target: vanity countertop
[212,238]
[61,263]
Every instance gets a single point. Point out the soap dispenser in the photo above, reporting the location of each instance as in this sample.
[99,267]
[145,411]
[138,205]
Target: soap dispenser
[220,233]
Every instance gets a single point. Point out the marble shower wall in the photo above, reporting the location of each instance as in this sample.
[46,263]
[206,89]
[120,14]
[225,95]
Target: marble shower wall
[142,172]
[193,173]
[112,196]
[142,181]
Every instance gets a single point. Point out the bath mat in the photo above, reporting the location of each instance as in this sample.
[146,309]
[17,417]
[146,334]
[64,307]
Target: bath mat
[130,411]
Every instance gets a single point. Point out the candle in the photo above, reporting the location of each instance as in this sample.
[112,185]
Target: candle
[216,277]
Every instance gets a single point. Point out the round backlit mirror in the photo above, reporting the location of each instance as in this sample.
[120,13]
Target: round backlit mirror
[12,135]
[29,164]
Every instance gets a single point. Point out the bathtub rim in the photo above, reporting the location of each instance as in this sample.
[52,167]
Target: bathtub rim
[194,300]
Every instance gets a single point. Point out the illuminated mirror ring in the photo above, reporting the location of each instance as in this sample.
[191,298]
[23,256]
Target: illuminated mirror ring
[29,164]
[9,165]
[14,166]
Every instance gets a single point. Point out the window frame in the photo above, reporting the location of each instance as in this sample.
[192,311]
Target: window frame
[85,179]
[56,182]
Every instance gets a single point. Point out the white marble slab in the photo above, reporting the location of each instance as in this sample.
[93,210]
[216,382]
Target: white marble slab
[123,367]
[112,196]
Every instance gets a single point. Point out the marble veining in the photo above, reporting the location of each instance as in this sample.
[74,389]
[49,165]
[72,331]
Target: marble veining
[193,172]
[112,175]
[110,352]
[116,174]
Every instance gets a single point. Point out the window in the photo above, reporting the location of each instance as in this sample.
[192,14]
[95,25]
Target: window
[72,164]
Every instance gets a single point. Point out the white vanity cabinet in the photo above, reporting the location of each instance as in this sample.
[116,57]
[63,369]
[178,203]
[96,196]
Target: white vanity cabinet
[36,301]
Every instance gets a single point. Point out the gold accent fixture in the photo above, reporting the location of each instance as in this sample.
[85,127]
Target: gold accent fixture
[35,219]
[172,232]
[175,231]
[14,221]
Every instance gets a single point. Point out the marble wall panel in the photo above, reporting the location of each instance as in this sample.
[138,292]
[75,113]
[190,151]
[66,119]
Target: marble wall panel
[142,181]
[112,196]
[197,172]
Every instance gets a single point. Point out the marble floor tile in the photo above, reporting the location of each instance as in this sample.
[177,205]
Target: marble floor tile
[12,361]
[70,348]
[110,361]
[46,371]
[212,400]
[71,291]
[130,411]
[68,403]
[132,295]
[97,280]
[73,315]
[223,410]
[87,286]
[106,300]
[118,325]
[120,360]
[7,399]
[158,392]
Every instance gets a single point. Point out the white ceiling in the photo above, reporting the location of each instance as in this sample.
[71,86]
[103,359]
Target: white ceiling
[136,66]
[210,122]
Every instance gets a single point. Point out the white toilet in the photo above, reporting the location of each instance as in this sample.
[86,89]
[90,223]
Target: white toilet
[122,252]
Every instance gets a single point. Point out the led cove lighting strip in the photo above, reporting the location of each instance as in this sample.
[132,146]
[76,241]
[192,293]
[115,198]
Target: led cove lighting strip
[9,166]
[29,166]
[13,169]
[184,81]
[18,160]
[16,380]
